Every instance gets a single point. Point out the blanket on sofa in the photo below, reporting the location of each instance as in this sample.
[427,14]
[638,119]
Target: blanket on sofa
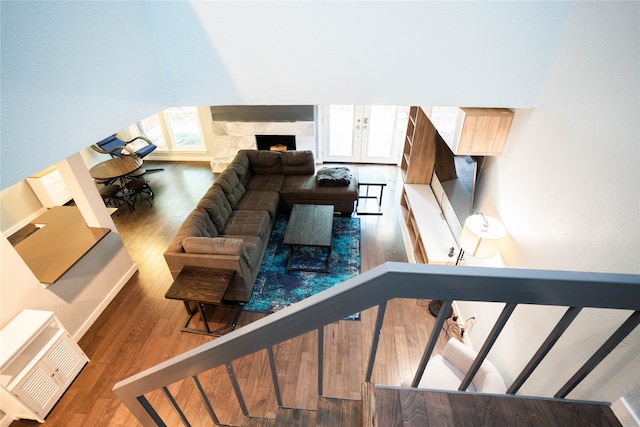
[334,177]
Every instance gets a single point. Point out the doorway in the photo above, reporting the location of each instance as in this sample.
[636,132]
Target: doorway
[363,133]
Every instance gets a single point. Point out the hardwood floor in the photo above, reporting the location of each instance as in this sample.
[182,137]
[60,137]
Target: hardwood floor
[141,328]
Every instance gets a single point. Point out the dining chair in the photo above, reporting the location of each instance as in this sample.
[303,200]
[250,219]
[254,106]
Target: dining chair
[140,146]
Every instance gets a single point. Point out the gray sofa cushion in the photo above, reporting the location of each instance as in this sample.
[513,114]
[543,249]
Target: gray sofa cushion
[197,224]
[297,162]
[249,223]
[304,189]
[215,203]
[260,201]
[230,184]
[240,165]
[264,162]
[266,183]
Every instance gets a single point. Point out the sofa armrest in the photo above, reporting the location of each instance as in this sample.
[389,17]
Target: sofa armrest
[459,355]
[486,380]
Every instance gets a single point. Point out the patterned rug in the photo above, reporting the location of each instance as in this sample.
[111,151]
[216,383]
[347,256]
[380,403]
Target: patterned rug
[277,288]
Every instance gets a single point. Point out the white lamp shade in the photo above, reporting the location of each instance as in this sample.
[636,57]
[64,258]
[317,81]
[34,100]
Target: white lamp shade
[481,236]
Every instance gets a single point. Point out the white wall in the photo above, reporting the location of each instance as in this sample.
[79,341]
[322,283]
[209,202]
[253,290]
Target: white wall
[83,70]
[72,73]
[86,289]
[567,188]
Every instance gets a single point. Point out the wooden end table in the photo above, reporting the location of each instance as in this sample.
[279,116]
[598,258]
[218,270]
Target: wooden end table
[203,286]
[309,225]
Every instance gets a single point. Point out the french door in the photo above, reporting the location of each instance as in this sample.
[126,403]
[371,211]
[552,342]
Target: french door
[363,133]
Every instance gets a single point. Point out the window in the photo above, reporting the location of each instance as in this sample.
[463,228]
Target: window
[152,128]
[184,127]
[174,129]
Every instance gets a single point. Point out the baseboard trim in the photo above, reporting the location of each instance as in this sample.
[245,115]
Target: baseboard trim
[10,231]
[105,302]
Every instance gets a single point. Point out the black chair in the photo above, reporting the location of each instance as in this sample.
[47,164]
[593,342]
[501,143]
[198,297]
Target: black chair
[138,190]
[116,147]
[112,195]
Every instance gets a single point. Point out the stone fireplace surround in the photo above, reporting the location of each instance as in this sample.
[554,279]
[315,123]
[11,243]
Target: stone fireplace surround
[231,137]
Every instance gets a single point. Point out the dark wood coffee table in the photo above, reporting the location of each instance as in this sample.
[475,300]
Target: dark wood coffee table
[203,286]
[309,225]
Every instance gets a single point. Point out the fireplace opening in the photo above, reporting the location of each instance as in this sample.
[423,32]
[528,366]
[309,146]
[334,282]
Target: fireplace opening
[276,142]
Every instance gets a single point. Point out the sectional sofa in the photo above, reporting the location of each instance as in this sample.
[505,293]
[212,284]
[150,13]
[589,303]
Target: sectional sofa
[231,225]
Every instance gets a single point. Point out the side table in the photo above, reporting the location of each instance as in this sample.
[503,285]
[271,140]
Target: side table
[203,286]
[368,177]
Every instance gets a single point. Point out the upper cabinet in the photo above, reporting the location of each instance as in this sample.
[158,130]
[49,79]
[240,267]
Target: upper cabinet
[472,131]
[49,187]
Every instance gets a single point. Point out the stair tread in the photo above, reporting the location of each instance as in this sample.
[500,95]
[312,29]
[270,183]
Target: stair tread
[291,417]
[414,407]
[334,412]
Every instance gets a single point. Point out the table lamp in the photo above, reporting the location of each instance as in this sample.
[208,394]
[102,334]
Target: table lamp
[480,237]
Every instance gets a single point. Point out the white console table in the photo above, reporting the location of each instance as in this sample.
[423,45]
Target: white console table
[38,362]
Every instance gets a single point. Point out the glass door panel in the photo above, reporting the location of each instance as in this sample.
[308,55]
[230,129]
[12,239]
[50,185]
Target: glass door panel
[341,130]
[363,133]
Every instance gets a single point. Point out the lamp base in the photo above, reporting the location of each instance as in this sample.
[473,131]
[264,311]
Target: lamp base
[435,306]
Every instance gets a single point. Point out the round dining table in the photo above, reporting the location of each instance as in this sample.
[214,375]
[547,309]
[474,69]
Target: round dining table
[116,167]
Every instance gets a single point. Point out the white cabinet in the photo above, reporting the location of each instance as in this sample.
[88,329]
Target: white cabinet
[38,362]
[50,188]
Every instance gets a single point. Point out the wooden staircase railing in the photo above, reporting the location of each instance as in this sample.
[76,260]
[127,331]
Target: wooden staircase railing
[374,288]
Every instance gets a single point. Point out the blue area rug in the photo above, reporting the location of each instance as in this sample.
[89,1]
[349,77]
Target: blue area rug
[277,288]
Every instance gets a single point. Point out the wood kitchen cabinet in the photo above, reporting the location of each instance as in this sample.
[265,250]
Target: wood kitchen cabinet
[472,131]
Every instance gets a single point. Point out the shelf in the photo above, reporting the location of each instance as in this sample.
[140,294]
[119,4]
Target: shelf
[430,238]
[419,148]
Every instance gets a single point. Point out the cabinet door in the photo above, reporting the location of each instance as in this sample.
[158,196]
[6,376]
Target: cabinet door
[484,131]
[39,389]
[50,188]
[472,131]
[65,359]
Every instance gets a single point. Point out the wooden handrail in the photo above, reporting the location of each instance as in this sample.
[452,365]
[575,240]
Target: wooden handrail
[377,286]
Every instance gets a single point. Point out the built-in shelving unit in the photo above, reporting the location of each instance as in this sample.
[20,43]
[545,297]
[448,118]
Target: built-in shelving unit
[431,241]
[419,152]
[38,362]
[467,131]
